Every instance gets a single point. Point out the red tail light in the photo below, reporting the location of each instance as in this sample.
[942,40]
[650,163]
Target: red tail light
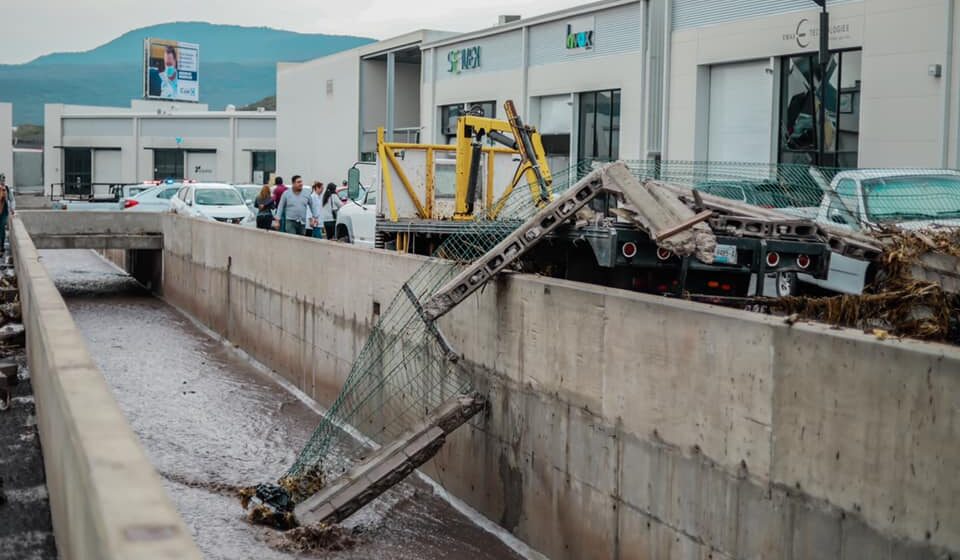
[803,261]
[629,249]
[726,287]
[662,288]
[773,259]
[128,203]
[663,254]
[713,284]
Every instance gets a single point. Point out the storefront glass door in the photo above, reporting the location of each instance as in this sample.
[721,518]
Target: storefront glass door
[168,164]
[800,105]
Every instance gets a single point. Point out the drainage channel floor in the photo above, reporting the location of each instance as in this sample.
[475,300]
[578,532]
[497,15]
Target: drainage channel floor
[207,418]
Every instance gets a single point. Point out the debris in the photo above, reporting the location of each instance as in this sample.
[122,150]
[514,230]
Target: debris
[792,318]
[314,538]
[897,302]
[13,334]
[881,334]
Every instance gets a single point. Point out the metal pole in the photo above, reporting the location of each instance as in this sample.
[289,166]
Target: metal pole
[824,61]
[391,89]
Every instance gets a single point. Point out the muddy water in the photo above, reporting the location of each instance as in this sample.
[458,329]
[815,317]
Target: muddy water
[207,417]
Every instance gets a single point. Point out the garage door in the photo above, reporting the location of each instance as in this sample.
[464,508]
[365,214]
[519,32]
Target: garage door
[106,166]
[741,112]
[202,166]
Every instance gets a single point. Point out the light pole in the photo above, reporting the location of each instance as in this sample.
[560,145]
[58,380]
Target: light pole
[824,60]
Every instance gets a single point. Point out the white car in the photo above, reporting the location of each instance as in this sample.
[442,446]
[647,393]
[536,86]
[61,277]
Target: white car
[864,199]
[212,201]
[154,199]
[357,219]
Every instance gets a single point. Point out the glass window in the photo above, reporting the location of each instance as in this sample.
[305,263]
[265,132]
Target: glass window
[167,194]
[77,170]
[167,164]
[800,107]
[263,164]
[599,119]
[450,113]
[218,197]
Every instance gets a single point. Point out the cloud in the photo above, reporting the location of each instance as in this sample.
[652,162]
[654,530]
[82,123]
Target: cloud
[81,25]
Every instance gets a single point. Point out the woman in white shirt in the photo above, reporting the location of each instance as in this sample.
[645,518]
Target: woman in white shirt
[316,197]
[330,204]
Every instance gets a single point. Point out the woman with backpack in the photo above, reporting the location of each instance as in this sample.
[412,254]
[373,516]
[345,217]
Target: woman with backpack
[328,211]
[265,205]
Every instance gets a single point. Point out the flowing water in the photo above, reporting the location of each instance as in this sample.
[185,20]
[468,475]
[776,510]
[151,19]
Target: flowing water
[208,419]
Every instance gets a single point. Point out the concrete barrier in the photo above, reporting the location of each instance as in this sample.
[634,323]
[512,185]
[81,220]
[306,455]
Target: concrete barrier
[624,425]
[106,500]
[58,229]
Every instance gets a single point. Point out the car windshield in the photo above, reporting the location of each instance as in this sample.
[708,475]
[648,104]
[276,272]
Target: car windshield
[249,193]
[918,197]
[218,197]
[733,192]
[371,197]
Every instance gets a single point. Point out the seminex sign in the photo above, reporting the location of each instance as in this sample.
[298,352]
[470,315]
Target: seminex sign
[463,59]
[171,70]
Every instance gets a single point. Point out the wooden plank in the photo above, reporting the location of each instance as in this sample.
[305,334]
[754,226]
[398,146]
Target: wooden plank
[684,225]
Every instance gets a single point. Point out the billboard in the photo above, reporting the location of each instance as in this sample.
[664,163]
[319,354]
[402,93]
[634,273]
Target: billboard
[171,70]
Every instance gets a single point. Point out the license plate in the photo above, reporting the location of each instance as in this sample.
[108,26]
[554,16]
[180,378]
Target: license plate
[725,254]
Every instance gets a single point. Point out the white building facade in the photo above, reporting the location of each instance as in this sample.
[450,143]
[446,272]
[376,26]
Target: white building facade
[154,140]
[744,81]
[588,78]
[684,80]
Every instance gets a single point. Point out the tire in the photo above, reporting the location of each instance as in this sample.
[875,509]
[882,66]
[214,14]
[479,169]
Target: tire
[786,284]
[343,235]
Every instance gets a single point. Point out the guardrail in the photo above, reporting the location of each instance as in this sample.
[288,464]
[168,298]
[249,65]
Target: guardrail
[106,500]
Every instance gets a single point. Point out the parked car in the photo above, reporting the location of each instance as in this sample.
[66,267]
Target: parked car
[357,219]
[249,193]
[864,199]
[763,193]
[213,201]
[154,199]
[105,199]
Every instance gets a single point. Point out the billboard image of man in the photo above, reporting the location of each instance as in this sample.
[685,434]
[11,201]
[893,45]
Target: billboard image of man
[172,70]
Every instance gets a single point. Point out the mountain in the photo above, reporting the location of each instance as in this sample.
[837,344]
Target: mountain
[237,66]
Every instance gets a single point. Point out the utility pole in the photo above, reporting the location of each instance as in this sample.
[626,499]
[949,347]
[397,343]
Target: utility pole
[824,61]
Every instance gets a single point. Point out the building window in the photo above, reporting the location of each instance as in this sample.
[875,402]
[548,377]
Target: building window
[800,105]
[168,164]
[263,164]
[450,113]
[77,170]
[599,137]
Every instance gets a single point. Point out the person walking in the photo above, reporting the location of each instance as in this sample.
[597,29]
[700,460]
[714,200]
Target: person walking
[278,189]
[7,209]
[296,208]
[317,197]
[265,205]
[329,206]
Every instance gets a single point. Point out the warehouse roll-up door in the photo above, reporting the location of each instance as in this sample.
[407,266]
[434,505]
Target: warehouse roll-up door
[202,166]
[107,166]
[741,112]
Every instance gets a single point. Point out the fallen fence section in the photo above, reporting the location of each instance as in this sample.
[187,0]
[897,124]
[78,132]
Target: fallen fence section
[388,465]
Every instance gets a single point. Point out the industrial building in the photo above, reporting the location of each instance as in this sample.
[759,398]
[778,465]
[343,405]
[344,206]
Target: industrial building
[156,140]
[741,84]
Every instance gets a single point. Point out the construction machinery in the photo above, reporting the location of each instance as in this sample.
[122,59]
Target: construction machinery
[428,191]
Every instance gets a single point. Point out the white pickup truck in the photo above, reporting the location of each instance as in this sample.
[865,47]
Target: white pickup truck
[865,199]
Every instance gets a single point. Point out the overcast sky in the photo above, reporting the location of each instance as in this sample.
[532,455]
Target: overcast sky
[31,28]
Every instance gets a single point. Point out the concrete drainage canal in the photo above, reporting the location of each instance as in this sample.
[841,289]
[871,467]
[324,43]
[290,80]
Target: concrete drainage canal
[212,422]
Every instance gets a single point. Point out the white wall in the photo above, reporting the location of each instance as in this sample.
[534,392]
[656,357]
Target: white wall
[6,141]
[317,132]
[902,108]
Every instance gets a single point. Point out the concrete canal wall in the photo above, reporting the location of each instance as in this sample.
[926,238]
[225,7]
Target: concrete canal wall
[106,499]
[624,425]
